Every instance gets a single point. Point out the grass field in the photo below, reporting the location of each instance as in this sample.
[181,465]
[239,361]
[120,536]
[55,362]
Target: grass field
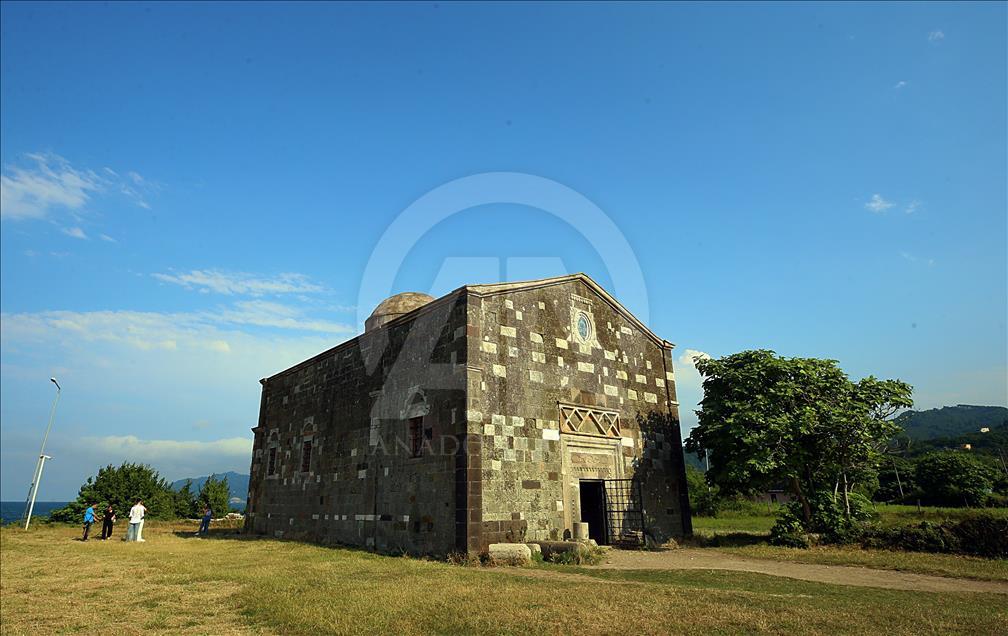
[175,583]
[745,533]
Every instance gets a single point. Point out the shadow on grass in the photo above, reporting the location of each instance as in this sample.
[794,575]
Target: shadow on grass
[230,534]
[726,540]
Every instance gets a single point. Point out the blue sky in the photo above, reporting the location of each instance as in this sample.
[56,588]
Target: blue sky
[192,194]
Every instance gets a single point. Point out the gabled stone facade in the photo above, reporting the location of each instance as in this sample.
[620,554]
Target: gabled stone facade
[471,419]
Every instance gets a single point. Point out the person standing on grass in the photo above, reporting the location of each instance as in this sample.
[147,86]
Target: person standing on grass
[88,520]
[136,515]
[107,520]
[204,526]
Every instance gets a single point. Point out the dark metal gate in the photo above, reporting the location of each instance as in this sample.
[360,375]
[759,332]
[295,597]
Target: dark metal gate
[624,509]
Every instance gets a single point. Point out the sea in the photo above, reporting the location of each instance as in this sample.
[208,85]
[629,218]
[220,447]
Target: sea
[12,510]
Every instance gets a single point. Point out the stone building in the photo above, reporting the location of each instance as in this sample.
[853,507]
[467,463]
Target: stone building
[502,412]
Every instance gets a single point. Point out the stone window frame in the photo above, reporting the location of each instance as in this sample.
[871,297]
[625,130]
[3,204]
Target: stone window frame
[273,455]
[418,427]
[581,306]
[307,447]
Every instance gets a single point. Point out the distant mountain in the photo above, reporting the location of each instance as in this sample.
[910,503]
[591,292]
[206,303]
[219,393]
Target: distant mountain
[237,484]
[951,421]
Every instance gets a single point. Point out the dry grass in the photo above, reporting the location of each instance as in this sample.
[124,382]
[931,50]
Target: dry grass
[174,583]
[919,562]
[744,533]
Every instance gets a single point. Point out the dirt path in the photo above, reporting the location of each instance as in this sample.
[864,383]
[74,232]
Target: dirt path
[706,559]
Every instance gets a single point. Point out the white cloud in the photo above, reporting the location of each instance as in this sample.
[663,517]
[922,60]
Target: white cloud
[689,387]
[936,36]
[75,232]
[49,182]
[912,207]
[691,355]
[134,449]
[30,193]
[262,313]
[107,238]
[907,256]
[877,204]
[900,84]
[231,283]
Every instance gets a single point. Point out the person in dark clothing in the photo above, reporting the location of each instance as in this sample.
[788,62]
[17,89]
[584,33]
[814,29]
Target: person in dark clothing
[107,520]
[89,518]
[204,527]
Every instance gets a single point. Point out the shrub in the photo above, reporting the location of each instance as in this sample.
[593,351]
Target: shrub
[584,554]
[954,478]
[983,535]
[828,523]
[121,486]
[925,536]
[704,499]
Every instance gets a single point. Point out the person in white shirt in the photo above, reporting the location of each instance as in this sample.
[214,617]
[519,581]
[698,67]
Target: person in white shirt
[136,515]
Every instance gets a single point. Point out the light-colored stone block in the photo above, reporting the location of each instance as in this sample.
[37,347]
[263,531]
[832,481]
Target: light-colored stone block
[561,343]
[500,370]
[509,332]
[509,553]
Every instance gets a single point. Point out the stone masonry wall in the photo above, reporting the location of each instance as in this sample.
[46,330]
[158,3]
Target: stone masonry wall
[363,486]
[525,358]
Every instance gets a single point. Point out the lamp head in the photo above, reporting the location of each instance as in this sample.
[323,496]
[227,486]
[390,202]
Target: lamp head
[58,387]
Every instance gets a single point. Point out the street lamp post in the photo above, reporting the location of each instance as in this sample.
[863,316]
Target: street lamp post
[37,477]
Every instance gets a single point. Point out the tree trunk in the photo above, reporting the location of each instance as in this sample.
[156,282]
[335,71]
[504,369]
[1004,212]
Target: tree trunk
[846,500]
[806,509]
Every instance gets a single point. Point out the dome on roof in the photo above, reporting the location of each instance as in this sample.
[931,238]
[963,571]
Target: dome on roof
[395,306]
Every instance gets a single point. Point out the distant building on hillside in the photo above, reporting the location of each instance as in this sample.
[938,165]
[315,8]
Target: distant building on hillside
[503,412]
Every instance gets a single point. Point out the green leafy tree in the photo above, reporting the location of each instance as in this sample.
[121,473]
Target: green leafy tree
[767,419]
[954,478]
[215,493]
[704,499]
[860,427]
[895,478]
[185,501]
[121,486]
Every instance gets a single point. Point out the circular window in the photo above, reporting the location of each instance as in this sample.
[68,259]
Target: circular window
[584,326]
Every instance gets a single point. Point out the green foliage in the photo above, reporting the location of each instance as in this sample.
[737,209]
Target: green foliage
[954,478]
[951,421]
[121,486]
[894,473]
[984,535]
[829,521]
[704,500]
[767,420]
[584,554]
[216,494]
[185,501]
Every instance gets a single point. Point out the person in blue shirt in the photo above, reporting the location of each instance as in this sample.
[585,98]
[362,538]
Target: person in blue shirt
[204,527]
[88,520]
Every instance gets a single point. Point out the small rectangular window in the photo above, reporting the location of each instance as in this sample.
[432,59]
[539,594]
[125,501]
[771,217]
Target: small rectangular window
[271,464]
[306,456]
[416,436]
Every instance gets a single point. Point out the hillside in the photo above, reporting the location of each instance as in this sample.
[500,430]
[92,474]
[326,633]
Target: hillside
[951,421]
[237,485]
